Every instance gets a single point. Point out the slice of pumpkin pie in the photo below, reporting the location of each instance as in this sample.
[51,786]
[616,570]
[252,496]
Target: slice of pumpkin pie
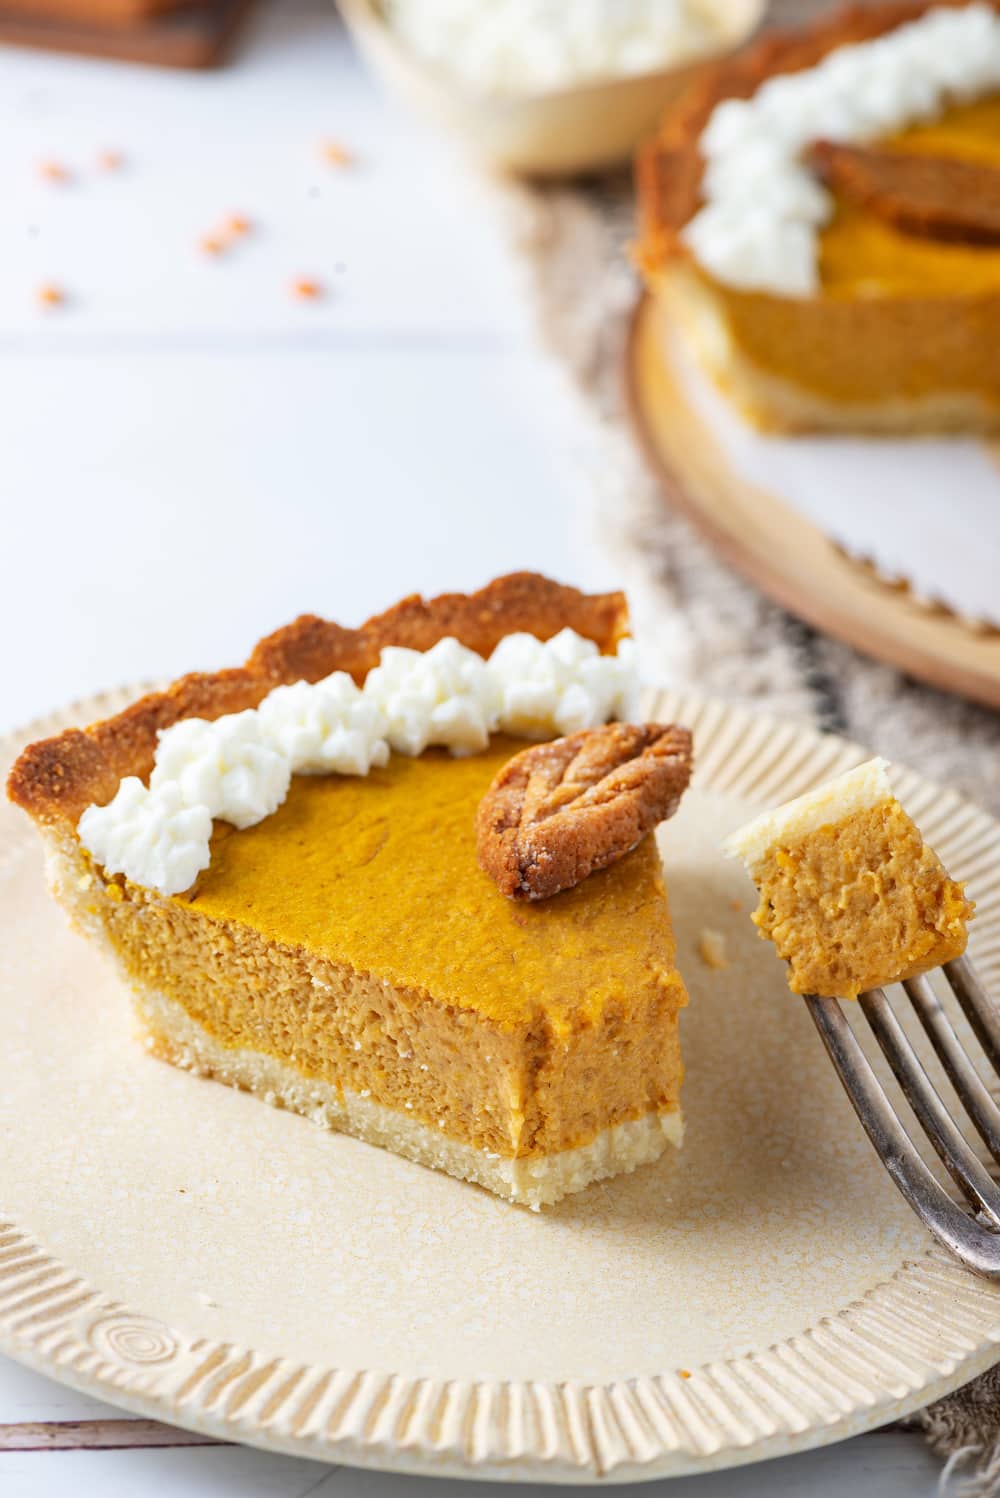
[282,861]
[850,894]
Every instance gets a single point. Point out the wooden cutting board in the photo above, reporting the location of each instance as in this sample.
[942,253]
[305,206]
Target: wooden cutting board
[196,35]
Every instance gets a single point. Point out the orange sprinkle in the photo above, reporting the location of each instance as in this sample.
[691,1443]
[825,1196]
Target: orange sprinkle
[238,225]
[53,171]
[212,244]
[336,155]
[683,1373]
[306,290]
[50,295]
[110,161]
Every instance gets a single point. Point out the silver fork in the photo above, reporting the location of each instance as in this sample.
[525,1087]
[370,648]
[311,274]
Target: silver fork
[973,1236]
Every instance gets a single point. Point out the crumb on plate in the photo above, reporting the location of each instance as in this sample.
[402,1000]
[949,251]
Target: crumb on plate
[712,948]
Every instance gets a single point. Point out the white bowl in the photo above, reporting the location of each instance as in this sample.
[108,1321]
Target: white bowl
[557,132]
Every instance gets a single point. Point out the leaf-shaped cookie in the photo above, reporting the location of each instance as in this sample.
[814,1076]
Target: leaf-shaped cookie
[558,811]
[936,197]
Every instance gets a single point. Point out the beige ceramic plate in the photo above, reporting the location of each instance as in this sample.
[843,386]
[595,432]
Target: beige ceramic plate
[184,1251]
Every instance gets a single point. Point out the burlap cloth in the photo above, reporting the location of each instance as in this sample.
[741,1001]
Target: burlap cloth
[700,625]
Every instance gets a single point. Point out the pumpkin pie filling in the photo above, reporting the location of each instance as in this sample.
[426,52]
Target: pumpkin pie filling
[404,971]
[347,958]
[851,895]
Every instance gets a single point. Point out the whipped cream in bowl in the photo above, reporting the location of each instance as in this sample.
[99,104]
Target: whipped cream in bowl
[238,768]
[510,47]
[545,87]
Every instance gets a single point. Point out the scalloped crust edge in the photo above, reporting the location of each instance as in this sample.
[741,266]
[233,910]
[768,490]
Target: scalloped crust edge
[56,779]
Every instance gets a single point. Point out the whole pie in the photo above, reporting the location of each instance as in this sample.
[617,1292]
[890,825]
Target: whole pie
[283,861]
[821,217]
[851,895]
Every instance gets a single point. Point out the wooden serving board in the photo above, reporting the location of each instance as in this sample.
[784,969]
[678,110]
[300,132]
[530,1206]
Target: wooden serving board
[196,35]
[762,536]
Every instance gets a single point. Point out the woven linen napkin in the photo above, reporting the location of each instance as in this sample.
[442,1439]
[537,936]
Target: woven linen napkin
[700,625]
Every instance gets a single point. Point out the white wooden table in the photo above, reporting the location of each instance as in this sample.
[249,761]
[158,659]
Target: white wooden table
[190,457]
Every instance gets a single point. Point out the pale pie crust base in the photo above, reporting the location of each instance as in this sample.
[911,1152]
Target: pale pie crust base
[776,404]
[826,805]
[537,1181]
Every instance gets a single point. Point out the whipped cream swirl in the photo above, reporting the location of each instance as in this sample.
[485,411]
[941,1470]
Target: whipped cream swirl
[438,696]
[763,209]
[330,727]
[562,685]
[230,767]
[150,836]
[238,768]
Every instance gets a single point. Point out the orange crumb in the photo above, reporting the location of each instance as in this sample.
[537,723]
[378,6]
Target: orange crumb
[53,171]
[306,290]
[237,224]
[110,161]
[50,296]
[683,1373]
[336,155]
[212,244]
[736,905]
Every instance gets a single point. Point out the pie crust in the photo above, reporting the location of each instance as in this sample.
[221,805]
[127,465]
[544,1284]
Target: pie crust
[56,779]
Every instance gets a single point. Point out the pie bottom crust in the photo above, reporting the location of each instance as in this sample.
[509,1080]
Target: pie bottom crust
[537,1181]
[173,1035]
[774,403]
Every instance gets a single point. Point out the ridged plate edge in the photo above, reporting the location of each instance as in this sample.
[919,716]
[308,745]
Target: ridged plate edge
[916,1336]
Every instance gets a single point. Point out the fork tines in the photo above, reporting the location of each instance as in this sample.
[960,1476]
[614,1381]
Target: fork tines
[975,1239]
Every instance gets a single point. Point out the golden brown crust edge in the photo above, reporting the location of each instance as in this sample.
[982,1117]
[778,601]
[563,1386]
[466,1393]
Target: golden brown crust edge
[668,167]
[56,779]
